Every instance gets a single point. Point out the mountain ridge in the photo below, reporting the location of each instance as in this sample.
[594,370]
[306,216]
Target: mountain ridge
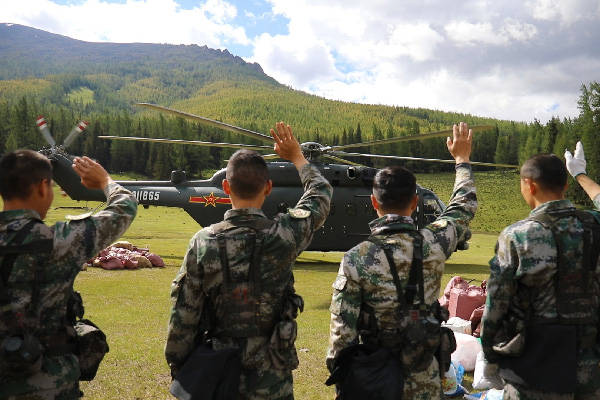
[59,50]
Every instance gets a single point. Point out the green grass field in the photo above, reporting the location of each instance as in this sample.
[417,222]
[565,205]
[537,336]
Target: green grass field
[132,307]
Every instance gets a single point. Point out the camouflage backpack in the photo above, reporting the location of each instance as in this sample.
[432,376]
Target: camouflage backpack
[242,308]
[419,336]
[20,350]
[523,344]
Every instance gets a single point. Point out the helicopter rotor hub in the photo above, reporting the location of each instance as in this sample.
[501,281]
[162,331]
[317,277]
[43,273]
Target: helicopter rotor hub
[312,150]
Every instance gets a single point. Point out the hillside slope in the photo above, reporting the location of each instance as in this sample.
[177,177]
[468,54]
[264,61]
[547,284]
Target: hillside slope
[54,69]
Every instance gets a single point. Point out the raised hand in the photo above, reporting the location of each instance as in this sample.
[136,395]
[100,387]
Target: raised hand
[460,144]
[93,175]
[286,145]
[576,165]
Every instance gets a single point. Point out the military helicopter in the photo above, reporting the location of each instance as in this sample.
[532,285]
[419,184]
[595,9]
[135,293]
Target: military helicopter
[205,201]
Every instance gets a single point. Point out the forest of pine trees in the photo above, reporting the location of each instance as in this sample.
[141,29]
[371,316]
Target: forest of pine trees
[508,142]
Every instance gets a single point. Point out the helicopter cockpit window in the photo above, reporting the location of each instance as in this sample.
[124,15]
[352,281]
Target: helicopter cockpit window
[431,207]
[350,209]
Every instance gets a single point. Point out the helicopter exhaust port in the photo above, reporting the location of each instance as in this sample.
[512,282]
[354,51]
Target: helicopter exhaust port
[352,172]
[177,177]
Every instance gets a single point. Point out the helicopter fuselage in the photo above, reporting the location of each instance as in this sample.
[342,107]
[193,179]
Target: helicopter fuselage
[205,201]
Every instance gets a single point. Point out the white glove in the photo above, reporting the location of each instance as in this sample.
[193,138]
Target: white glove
[576,165]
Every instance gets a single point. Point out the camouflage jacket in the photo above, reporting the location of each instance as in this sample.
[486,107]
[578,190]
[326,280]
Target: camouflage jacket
[364,276]
[201,270]
[522,284]
[74,242]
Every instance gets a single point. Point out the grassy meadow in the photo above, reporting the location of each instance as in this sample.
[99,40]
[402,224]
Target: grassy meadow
[132,307]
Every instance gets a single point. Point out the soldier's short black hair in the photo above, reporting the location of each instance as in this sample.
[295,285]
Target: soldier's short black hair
[394,188]
[247,173]
[547,170]
[21,169]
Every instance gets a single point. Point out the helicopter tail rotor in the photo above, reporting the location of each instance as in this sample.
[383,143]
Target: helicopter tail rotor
[43,127]
[77,129]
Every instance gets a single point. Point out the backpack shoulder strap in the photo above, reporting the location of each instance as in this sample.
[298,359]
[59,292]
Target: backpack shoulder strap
[415,278]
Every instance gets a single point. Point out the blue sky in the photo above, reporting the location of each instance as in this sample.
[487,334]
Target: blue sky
[514,59]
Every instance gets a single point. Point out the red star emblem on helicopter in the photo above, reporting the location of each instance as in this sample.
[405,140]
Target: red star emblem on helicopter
[211,200]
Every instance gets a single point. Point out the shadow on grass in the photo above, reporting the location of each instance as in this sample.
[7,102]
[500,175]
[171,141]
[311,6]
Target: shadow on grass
[316,267]
[323,305]
[467,270]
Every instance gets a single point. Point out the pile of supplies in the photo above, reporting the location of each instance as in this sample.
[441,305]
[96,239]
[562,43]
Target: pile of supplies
[465,303]
[124,255]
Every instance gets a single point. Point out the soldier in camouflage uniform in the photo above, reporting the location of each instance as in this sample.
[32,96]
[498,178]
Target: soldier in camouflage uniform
[523,288]
[39,284]
[203,277]
[364,279]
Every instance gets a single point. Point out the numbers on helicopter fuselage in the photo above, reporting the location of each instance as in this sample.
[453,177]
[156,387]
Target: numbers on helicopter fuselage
[146,195]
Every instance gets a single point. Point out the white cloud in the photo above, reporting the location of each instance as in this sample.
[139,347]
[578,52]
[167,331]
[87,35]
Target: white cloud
[155,21]
[294,61]
[466,33]
[417,41]
[497,60]
[565,11]
[219,9]
[518,31]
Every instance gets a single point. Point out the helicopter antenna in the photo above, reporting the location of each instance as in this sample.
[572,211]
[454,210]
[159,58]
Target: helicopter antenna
[444,133]
[208,121]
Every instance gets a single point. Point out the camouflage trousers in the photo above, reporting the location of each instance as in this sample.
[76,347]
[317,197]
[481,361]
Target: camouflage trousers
[424,385]
[67,392]
[271,384]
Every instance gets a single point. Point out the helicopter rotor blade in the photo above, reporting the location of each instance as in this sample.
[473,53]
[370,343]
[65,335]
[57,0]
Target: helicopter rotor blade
[444,133]
[486,164]
[208,121]
[192,142]
[341,160]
